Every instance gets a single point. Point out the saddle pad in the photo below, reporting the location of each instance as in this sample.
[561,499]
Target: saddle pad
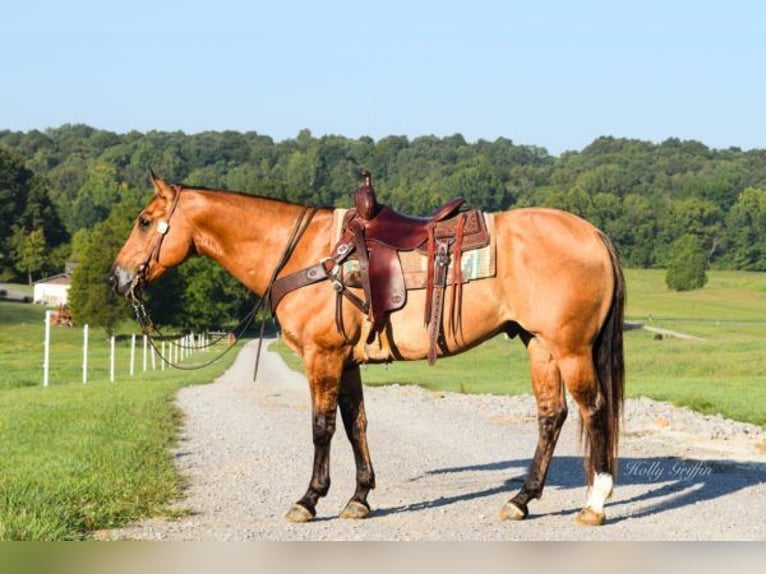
[476,264]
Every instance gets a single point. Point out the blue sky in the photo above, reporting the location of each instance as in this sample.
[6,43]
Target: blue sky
[549,73]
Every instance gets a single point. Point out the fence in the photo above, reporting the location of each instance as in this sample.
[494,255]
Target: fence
[162,354]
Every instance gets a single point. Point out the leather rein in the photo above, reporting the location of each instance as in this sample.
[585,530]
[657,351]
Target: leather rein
[144,320]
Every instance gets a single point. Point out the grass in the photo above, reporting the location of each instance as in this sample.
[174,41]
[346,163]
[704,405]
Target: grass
[21,348]
[81,458]
[729,296]
[78,458]
[724,373]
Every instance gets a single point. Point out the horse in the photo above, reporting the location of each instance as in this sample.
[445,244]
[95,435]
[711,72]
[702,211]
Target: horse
[558,287]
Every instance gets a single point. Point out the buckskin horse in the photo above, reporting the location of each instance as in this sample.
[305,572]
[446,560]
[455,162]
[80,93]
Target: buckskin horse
[557,286]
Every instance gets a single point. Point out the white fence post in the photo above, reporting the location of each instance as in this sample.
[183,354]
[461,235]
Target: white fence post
[46,347]
[111,359]
[144,355]
[132,353]
[175,352]
[85,354]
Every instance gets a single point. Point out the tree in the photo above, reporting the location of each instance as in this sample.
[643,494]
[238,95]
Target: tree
[212,298]
[687,264]
[300,177]
[29,221]
[97,196]
[637,230]
[478,187]
[90,298]
[30,252]
[15,180]
[746,230]
[40,213]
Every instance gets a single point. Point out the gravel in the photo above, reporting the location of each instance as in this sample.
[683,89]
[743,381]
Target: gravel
[445,464]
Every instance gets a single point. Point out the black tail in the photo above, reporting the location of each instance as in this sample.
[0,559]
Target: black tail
[609,359]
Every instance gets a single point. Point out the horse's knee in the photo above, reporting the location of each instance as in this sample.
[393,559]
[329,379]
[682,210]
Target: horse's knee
[323,429]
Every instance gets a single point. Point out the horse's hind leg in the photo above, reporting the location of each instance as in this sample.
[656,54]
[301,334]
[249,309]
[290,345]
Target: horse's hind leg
[323,371]
[581,380]
[351,401]
[551,414]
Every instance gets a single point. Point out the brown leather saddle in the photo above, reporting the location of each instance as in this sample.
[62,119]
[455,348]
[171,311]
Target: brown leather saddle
[374,235]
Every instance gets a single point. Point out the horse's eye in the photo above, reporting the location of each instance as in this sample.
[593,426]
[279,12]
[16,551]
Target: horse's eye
[143,222]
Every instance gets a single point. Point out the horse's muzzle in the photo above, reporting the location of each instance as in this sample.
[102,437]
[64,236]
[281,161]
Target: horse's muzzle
[122,281]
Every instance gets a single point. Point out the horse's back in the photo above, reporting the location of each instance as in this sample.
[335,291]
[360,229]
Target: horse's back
[552,228]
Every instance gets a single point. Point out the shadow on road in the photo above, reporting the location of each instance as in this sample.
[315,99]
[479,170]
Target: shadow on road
[665,483]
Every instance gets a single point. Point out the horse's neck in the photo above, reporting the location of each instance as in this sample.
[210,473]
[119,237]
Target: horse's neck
[248,235]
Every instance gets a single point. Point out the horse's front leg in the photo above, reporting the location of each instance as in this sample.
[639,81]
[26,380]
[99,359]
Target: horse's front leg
[355,422]
[323,371]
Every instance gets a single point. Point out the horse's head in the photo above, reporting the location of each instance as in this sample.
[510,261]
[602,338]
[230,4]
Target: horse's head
[160,239]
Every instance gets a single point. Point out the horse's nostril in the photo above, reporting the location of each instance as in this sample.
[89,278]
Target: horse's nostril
[114,281]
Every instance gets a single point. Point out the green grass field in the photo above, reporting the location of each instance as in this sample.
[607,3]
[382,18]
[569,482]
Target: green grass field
[77,458]
[80,457]
[726,371]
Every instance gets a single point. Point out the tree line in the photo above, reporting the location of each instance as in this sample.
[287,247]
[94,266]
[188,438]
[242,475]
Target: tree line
[70,193]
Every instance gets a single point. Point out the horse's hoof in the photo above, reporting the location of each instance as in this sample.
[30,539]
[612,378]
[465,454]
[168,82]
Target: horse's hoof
[590,517]
[355,509]
[299,513]
[511,511]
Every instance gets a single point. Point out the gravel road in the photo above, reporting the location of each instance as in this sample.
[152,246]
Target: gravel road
[445,464]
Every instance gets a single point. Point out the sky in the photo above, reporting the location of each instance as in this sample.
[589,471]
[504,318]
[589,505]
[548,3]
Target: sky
[554,74]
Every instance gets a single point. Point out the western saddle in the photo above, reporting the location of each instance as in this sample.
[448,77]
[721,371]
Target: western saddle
[373,234]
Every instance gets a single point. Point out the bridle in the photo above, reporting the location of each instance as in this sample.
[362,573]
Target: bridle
[149,329]
[163,226]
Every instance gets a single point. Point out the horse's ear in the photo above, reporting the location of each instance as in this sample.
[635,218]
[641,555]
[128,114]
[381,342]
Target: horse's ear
[161,188]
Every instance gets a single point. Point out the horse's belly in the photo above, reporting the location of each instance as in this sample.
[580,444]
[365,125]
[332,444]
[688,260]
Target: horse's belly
[406,337]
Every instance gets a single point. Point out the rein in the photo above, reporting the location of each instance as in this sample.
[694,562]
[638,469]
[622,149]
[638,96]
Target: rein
[149,329]
[298,231]
[147,326]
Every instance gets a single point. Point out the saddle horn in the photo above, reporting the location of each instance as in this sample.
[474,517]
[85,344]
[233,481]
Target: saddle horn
[364,198]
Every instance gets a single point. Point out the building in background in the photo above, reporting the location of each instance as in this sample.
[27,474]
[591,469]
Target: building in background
[53,291]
